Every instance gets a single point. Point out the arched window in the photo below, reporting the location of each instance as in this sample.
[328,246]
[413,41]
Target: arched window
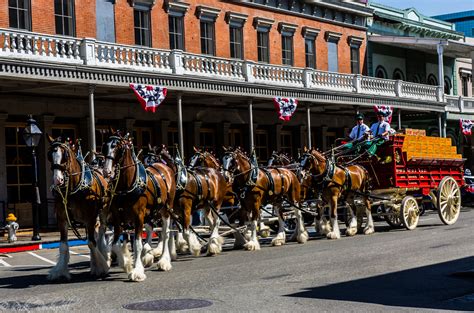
[398,74]
[447,85]
[380,72]
[432,80]
[416,78]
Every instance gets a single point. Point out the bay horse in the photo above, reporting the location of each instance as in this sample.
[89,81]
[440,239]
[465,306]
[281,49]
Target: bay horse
[270,186]
[137,193]
[207,159]
[200,188]
[280,159]
[80,194]
[338,181]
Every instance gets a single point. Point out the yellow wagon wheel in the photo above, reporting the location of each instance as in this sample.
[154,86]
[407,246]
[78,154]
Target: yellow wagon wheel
[409,212]
[449,200]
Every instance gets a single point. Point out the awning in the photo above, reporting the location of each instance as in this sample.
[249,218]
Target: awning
[452,48]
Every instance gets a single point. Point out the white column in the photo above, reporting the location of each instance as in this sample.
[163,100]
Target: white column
[92,144]
[180,125]
[399,119]
[308,116]
[440,125]
[440,49]
[251,124]
[472,73]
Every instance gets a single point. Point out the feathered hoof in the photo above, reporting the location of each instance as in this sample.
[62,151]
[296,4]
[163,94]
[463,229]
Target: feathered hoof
[248,235]
[368,230]
[56,275]
[351,231]
[164,265]
[137,275]
[252,246]
[148,259]
[214,248]
[156,252]
[182,246]
[196,251]
[303,237]
[278,242]
[333,235]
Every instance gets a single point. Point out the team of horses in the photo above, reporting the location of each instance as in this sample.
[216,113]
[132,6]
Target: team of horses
[126,193]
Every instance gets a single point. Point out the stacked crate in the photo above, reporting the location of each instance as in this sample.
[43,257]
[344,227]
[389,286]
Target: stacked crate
[429,147]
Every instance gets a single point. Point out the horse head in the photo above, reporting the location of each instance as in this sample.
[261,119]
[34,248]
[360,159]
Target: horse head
[113,152]
[61,156]
[311,161]
[151,156]
[234,162]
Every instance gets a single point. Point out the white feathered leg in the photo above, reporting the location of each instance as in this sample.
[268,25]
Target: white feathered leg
[138,272]
[215,241]
[301,233]
[122,252]
[253,244]
[335,233]
[194,245]
[351,230]
[369,229]
[164,264]
[99,266]
[172,246]
[280,238]
[182,245]
[60,270]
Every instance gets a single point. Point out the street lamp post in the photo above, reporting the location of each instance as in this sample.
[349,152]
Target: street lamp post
[32,135]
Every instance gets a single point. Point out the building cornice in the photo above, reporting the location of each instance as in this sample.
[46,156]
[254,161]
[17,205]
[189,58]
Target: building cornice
[176,6]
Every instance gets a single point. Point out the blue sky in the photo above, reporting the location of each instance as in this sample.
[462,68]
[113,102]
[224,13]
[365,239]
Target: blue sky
[431,7]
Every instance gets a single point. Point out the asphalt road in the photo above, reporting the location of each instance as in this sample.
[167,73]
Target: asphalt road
[391,270]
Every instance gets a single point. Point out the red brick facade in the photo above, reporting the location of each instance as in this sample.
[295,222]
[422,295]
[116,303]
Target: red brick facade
[43,22]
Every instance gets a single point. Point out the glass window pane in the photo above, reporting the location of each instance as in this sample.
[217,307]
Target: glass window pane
[26,193]
[11,155]
[25,174]
[13,18]
[12,194]
[10,135]
[21,19]
[58,8]
[12,175]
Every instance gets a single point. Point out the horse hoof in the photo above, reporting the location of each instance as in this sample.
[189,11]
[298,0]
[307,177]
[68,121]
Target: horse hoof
[303,237]
[136,276]
[59,276]
[214,248]
[196,251]
[278,242]
[164,265]
[156,253]
[368,230]
[351,232]
[252,246]
[333,235]
[148,260]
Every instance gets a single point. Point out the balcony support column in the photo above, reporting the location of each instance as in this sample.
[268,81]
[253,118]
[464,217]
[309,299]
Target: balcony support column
[251,125]
[92,142]
[180,124]
[308,117]
[440,49]
[399,119]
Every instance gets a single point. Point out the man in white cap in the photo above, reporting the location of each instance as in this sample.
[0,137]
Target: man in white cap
[380,129]
[358,131]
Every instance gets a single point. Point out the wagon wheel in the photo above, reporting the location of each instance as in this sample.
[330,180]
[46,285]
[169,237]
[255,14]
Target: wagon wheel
[409,212]
[392,218]
[449,200]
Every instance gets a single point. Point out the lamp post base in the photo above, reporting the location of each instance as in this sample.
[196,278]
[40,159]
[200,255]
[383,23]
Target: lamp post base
[36,237]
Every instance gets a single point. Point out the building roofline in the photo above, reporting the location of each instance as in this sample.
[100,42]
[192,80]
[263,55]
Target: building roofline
[455,15]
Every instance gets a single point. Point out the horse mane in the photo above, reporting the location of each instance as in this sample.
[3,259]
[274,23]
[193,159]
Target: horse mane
[212,158]
[318,155]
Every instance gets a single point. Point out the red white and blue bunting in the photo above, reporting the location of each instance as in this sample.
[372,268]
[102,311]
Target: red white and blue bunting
[285,107]
[466,126]
[386,110]
[150,97]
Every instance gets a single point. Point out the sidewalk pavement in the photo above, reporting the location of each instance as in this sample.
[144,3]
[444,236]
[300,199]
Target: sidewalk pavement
[49,240]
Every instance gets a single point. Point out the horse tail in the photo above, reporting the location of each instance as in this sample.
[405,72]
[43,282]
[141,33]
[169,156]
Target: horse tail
[367,181]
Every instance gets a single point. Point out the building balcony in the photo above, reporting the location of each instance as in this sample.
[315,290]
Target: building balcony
[102,57]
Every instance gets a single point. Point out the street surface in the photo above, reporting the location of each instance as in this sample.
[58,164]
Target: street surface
[392,270]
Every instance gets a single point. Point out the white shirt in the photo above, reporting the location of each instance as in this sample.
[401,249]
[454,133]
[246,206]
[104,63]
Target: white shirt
[358,131]
[380,128]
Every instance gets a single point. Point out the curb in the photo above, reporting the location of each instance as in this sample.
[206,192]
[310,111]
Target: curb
[22,247]
[40,246]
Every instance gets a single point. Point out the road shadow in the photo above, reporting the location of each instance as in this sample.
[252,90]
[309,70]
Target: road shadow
[439,287]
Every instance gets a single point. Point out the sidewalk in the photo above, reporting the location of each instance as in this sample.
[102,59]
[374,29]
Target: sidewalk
[49,240]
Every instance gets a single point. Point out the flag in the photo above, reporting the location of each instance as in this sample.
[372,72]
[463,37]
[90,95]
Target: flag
[150,97]
[285,107]
[386,110]
[466,126]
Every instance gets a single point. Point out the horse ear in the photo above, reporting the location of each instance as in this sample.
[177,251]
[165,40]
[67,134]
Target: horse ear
[50,139]
[111,130]
[195,149]
[305,149]
[149,147]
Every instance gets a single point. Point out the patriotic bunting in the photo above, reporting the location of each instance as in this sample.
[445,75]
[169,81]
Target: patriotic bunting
[285,107]
[150,97]
[466,126]
[386,110]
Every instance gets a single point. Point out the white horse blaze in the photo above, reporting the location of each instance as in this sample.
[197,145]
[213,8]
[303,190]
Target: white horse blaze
[58,176]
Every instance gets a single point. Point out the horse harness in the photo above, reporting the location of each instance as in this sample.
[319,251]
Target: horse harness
[328,176]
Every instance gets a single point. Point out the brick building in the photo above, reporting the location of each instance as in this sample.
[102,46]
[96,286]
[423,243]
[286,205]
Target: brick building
[69,63]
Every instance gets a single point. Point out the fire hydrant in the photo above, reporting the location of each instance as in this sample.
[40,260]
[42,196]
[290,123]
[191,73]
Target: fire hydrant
[12,226]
